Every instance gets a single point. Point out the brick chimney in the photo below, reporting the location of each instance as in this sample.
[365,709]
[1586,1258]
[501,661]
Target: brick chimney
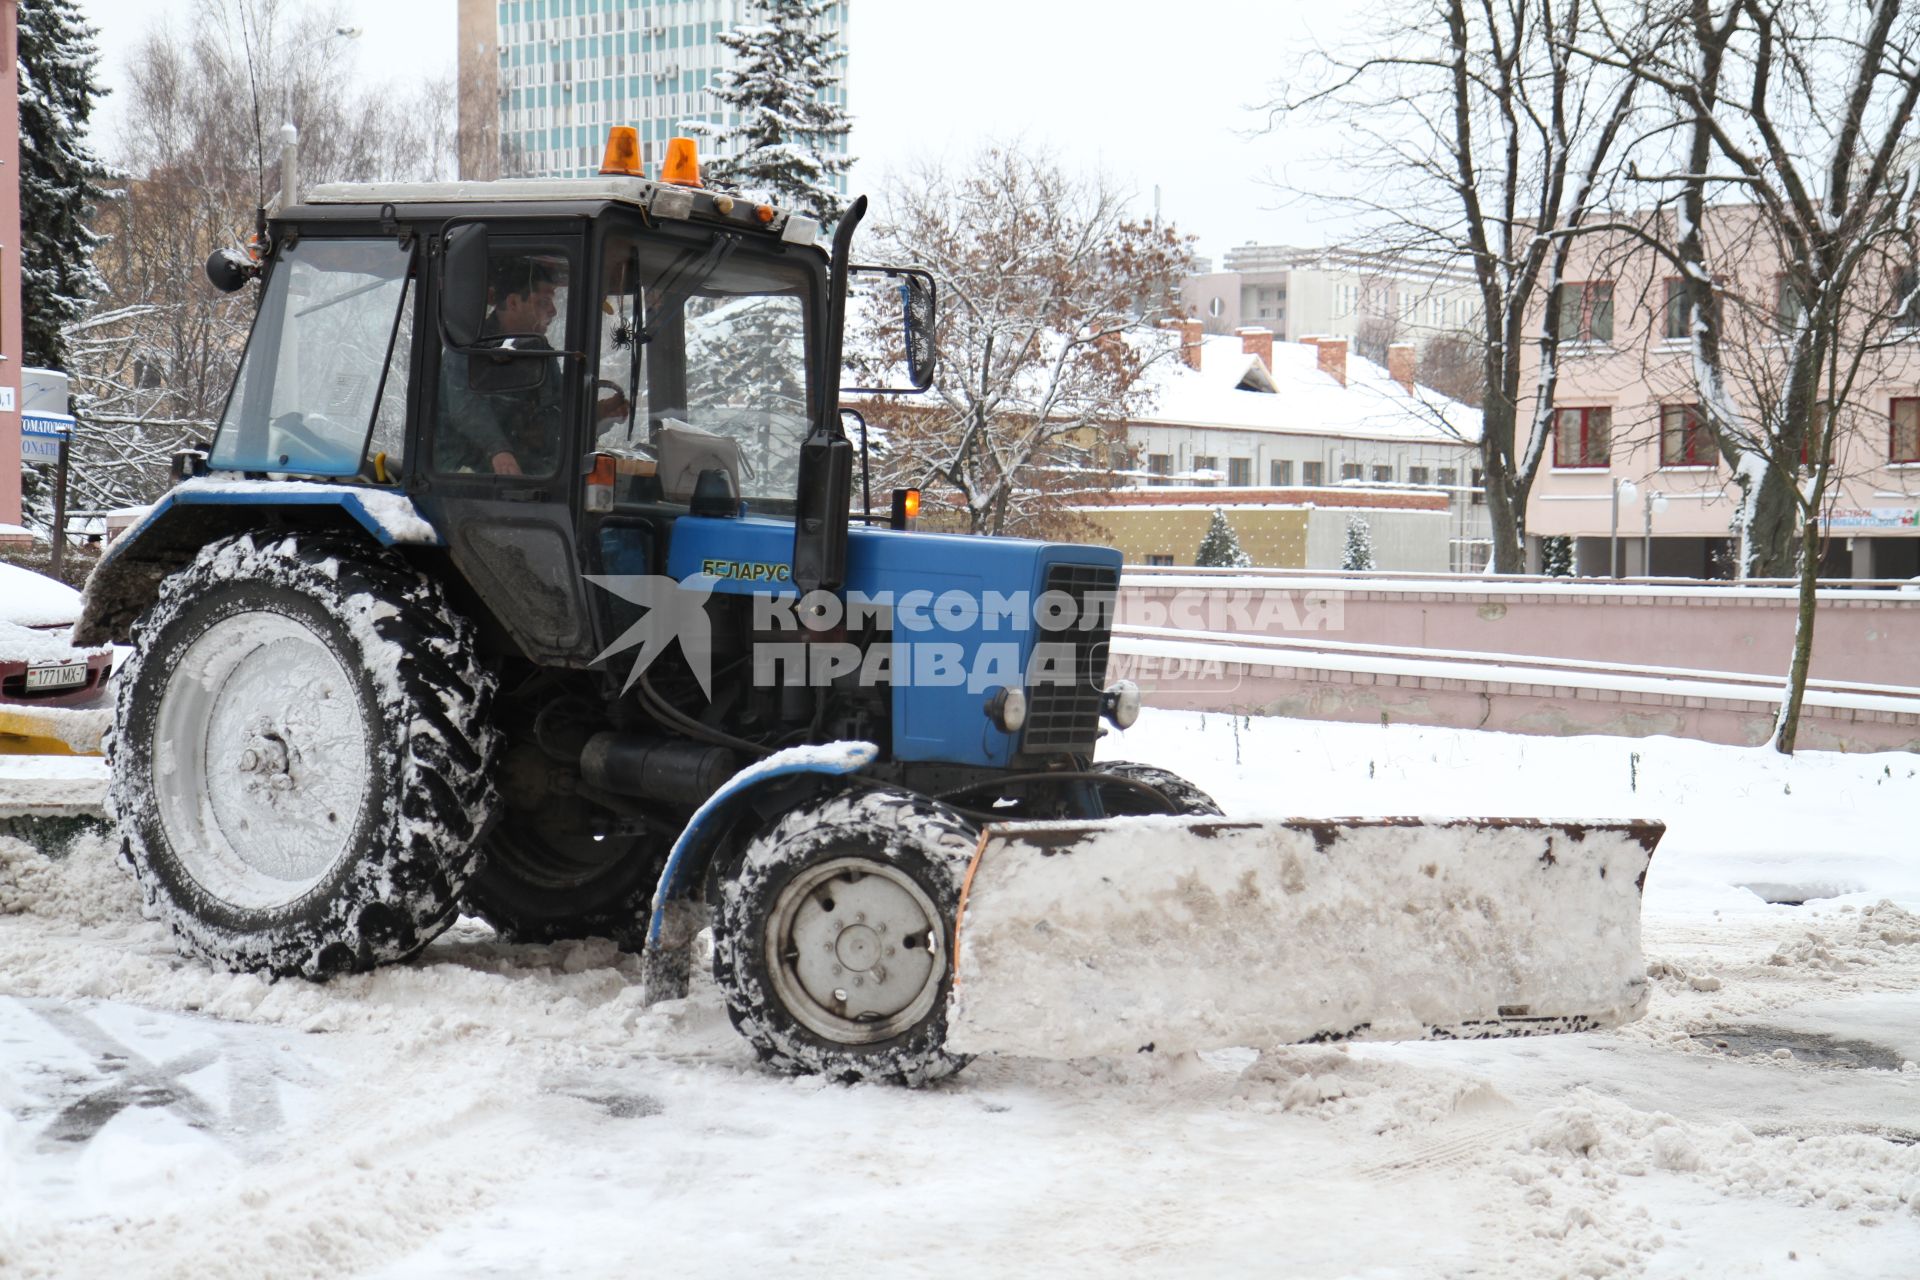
[1189,330]
[1333,357]
[1257,342]
[1400,361]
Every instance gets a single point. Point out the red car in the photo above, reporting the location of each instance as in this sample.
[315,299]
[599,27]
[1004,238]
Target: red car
[37,665]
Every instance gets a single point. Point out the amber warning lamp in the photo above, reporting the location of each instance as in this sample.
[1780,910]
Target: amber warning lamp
[682,166]
[623,152]
[906,508]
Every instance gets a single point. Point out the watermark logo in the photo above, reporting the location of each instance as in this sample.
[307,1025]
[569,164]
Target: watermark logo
[953,638]
[675,610]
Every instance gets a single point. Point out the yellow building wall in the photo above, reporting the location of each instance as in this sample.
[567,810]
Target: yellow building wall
[1275,537]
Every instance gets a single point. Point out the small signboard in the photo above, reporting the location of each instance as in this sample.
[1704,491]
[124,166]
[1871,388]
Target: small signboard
[41,434]
[1874,518]
[44,421]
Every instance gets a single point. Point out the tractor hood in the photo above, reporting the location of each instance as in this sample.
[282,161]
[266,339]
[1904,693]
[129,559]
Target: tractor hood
[969,615]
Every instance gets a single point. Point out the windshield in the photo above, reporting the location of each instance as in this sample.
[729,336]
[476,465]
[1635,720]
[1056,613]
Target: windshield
[704,351]
[305,396]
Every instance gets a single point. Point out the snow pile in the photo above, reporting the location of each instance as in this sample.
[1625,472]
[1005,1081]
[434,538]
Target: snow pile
[1877,933]
[1594,1137]
[88,888]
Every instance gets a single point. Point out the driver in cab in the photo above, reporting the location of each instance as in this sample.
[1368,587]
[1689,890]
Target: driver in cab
[514,431]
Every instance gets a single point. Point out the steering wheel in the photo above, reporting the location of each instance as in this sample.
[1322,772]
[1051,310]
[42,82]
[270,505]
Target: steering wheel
[608,384]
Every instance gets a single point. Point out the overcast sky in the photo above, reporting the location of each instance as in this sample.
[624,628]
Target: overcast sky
[1155,92]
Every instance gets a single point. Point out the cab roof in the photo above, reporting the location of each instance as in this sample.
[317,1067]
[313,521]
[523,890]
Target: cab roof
[661,200]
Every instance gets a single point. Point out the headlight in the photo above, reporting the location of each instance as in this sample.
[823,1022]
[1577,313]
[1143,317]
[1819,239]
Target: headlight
[1007,708]
[1121,704]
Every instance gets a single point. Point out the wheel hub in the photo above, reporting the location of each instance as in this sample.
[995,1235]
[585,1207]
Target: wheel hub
[857,948]
[264,753]
[853,949]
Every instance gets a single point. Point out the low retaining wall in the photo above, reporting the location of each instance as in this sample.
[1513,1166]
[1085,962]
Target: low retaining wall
[1699,660]
[1870,634]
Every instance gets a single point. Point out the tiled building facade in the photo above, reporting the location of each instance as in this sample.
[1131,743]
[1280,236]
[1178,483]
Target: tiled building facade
[559,73]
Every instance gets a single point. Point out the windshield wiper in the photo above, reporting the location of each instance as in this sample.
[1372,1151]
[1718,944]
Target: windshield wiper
[686,276]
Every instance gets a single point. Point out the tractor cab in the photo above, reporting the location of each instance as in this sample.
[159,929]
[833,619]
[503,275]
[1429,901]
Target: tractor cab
[554,372]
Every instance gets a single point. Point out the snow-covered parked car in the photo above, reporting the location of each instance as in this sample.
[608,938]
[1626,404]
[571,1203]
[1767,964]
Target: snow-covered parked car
[37,665]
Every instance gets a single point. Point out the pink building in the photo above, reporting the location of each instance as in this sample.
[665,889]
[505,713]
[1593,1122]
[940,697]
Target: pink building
[1626,412]
[11,351]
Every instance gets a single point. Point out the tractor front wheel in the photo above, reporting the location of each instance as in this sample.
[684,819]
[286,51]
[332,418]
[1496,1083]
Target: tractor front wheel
[833,937]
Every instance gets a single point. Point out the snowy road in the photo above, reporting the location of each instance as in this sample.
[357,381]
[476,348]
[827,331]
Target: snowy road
[499,1111]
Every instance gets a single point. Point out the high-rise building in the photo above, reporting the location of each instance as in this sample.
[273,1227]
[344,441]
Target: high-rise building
[541,81]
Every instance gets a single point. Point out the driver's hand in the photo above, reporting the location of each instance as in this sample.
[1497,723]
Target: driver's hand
[505,464]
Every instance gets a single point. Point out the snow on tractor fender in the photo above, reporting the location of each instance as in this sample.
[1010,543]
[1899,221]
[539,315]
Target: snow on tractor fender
[199,512]
[670,930]
[1077,939]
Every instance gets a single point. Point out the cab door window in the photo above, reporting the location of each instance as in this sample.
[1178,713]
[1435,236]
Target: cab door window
[500,414]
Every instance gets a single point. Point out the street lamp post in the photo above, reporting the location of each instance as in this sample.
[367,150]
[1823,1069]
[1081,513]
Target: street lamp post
[1656,502]
[290,132]
[1621,489]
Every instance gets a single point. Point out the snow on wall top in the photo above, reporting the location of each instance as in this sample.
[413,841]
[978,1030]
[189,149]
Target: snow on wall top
[1305,400]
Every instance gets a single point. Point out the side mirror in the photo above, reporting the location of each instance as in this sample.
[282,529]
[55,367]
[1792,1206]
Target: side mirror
[463,284]
[891,314]
[229,270]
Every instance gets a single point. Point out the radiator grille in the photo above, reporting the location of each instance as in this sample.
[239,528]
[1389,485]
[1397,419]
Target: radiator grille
[1061,716]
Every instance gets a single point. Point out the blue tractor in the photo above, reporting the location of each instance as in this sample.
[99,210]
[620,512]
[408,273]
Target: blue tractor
[389,627]
[524,576]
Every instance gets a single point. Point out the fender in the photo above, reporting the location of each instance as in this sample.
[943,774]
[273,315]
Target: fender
[197,512]
[694,847]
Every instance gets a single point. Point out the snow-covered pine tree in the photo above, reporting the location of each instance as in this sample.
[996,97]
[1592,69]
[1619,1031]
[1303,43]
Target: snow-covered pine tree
[1556,555]
[1221,549]
[59,175]
[780,91]
[1359,544]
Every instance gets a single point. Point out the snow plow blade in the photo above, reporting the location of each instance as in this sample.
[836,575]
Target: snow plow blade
[1081,938]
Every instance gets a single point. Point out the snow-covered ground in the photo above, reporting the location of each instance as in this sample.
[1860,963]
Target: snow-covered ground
[496,1111]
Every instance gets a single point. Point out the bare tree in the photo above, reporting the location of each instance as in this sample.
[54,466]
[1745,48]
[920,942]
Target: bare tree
[1051,302]
[152,362]
[1484,138]
[1793,123]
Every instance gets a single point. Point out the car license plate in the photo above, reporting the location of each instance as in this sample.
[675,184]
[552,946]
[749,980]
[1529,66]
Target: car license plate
[64,675]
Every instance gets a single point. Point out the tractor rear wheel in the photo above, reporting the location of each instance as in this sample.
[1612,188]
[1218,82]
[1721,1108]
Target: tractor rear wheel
[301,756]
[542,883]
[833,937]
